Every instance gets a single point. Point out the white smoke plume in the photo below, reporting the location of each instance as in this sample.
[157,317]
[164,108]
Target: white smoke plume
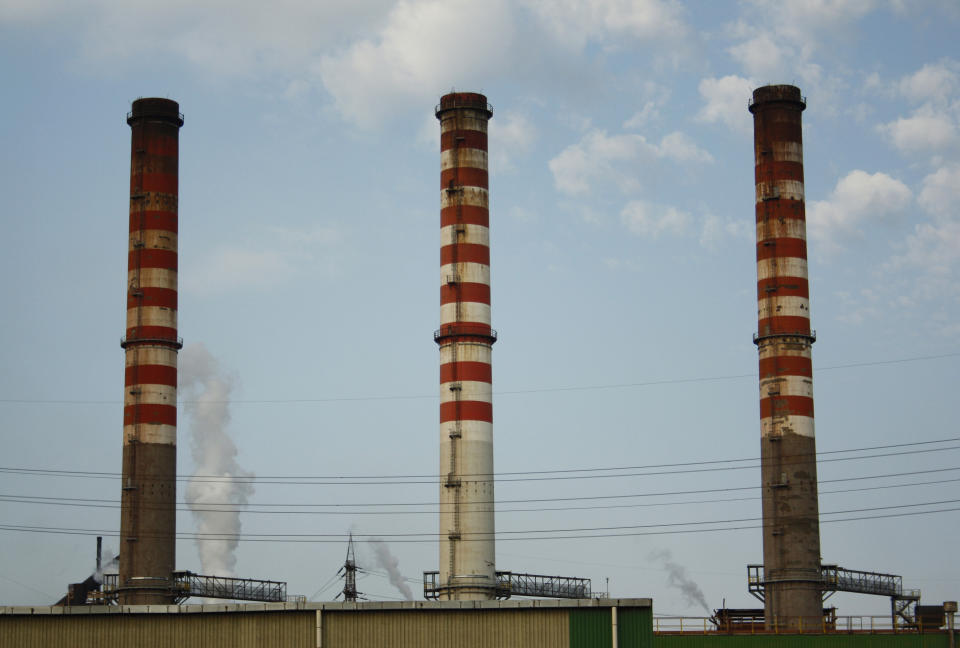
[389,562]
[218,482]
[677,577]
[107,566]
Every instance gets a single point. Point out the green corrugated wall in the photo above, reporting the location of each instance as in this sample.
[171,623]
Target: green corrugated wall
[590,628]
[593,628]
[635,628]
[804,641]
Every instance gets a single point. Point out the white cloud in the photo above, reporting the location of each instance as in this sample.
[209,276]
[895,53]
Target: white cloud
[860,307]
[783,39]
[423,48]
[925,268]
[808,20]
[649,219]
[278,255]
[654,97]
[859,197]
[872,82]
[511,135]
[860,112]
[617,157]
[642,116]
[523,215]
[934,126]
[940,195]
[597,155]
[761,57]
[680,147]
[576,22]
[933,250]
[933,82]
[726,102]
[229,269]
[714,230]
[427,46]
[428,132]
[926,130]
[217,36]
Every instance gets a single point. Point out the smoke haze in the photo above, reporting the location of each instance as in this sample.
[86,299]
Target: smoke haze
[215,481]
[389,562]
[107,565]
[677,578]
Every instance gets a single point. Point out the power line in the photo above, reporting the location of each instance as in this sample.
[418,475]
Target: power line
[433,534]
[257,509]
[384,574]
[339,480]
[431,537]
[327,585]
[585,497]
[537,390]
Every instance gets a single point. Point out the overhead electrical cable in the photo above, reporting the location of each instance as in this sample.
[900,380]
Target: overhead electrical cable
[502,535]
[432,479]
[342,399]
[604,497]
[257,509]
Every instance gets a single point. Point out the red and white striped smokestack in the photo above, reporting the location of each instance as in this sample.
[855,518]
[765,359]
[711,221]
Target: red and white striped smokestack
[791,527]
[148,511]
[467,553]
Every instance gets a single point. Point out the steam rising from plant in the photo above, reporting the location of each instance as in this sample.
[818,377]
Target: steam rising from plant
[677,577]
[389,562]
[109,565]
[219,482]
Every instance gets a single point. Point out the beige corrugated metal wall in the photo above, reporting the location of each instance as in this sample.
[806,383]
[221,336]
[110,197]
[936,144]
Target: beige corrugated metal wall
[544,628]
[487,624]
[251,630]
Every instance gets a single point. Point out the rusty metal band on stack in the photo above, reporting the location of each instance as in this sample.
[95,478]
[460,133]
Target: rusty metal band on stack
[148,512]
[791,529]
[466,339]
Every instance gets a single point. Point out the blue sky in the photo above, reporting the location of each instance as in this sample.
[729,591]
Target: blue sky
[622,256]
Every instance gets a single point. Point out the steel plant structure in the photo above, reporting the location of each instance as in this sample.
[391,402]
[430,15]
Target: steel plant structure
[467,555]
[148,516]
[791,528]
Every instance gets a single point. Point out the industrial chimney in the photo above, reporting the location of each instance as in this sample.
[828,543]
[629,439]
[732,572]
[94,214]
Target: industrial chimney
[791,528]
[467,554]
[148,511]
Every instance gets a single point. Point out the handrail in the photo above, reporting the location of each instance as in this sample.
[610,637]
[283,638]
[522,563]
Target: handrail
[468,330]
[751,102]
[812,336]
[849,624]
[476,105]
[131,117]
[174,342]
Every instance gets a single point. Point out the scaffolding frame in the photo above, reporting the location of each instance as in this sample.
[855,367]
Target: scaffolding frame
[903,602]
[186,584]
[515,584]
